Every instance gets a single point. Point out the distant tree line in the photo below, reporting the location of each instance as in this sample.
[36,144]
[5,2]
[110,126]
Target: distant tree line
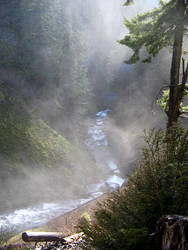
[43,41]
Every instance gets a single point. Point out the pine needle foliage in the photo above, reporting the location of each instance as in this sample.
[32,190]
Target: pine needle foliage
[153,30]
[157,187]
[163,102]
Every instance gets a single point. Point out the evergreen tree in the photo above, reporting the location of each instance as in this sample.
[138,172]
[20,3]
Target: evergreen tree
[157,187]
[162,27]
[44,42]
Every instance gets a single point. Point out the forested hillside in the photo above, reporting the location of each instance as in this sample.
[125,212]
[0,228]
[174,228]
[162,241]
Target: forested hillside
[74,102]
[54,73]
[60,63]
[45,94]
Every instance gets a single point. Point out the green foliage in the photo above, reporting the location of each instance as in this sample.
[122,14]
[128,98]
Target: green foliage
[19,132]
[27,141]
[5,236]
[85,218]
[163,102]
[157,187]
[152,30]
[36,156]
[1,96]
[128,2]
[44,41]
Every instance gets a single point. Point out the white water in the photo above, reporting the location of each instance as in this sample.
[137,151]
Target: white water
[98,144]
[39,214]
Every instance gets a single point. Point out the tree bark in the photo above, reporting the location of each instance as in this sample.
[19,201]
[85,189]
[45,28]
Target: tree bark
[171,233]
[176,91]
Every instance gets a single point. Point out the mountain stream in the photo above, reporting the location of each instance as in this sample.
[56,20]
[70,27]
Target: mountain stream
[39,214]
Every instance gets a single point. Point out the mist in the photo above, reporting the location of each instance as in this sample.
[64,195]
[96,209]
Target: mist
[62,65]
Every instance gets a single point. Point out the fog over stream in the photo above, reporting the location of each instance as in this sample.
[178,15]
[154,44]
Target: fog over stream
[125,91]
[37,215]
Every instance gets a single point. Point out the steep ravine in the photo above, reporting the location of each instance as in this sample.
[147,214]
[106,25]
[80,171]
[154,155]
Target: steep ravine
[39,214]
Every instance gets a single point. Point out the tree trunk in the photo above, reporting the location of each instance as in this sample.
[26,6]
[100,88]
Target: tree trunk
[171,233]
[176,94]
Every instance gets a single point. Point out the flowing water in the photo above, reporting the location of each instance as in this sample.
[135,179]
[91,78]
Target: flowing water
[97,142]
[39,214]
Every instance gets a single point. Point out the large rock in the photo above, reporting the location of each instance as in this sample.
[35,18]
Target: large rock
[172,233]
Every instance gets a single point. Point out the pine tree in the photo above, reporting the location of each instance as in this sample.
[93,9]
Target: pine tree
[162,27]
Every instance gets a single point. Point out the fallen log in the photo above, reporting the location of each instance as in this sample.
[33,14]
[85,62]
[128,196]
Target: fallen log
[42,236]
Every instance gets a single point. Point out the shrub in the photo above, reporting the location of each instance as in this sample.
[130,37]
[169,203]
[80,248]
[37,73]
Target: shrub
[5,235]
[157,187]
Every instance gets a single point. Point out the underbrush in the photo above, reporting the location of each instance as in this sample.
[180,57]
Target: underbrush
[157,187]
